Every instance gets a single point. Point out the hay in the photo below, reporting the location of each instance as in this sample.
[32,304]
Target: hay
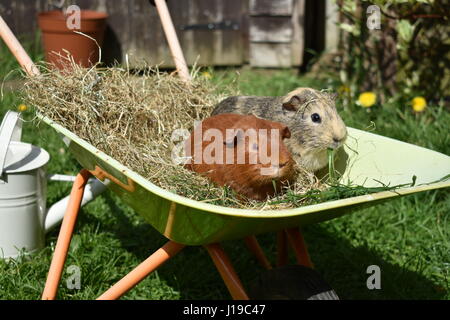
[131,118]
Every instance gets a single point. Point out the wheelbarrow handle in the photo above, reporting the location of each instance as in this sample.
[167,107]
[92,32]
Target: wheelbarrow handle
[172,40]
[17,50]
[152,2]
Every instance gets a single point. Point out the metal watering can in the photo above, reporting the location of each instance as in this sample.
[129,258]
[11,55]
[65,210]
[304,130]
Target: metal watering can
[23,184]
[24,219]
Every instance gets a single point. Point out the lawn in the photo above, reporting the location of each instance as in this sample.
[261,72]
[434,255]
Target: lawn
[408,238]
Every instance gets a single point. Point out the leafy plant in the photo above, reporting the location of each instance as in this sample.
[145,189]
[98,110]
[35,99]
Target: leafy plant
[407,56]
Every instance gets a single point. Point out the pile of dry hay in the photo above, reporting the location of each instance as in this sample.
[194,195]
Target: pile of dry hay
[131,118]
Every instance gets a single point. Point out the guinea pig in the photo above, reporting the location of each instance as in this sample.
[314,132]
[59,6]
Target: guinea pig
[243,152]
[310,115]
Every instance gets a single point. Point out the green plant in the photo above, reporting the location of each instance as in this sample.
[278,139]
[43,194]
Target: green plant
[407,57]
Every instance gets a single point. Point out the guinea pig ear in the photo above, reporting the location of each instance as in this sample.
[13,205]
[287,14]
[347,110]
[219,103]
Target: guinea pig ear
[285,133]
[232,141]
[299,99]
[293,104]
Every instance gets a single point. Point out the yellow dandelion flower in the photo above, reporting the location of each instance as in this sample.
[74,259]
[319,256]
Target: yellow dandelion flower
[207,75]
[367,99]
[419,104]
[22,108]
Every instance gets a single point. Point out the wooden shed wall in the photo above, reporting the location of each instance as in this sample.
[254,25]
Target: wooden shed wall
[276,33]
[263,33]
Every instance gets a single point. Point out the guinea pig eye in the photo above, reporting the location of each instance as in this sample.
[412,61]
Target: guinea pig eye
[316,118]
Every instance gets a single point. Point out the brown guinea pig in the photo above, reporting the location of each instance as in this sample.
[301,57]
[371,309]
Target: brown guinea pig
[243,152]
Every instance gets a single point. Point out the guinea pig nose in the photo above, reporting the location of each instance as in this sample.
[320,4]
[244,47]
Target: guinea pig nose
[336,139]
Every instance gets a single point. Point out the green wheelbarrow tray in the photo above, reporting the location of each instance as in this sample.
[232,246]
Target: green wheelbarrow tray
[365,157]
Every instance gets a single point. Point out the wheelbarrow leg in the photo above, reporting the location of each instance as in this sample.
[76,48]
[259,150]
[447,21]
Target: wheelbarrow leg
[65,236]
[299,246]
[160,256]
[282,249]
[227,272]
[256,249]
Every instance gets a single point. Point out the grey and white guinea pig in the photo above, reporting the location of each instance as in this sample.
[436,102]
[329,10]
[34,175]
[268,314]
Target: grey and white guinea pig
[310,114]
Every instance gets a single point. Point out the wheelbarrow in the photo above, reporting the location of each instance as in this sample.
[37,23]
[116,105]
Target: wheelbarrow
[185,222]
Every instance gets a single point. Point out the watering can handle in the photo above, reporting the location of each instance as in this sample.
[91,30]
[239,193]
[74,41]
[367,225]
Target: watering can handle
[10,130]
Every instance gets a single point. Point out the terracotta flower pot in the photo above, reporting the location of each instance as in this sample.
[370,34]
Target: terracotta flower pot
[57,36]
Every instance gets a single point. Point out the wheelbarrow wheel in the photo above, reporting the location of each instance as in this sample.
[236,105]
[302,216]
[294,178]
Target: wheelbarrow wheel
[293,282]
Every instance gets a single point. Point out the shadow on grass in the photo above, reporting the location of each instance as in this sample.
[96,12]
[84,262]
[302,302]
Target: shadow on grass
[342,265]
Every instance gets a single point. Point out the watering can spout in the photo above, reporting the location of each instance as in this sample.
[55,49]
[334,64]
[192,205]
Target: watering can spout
[56,212]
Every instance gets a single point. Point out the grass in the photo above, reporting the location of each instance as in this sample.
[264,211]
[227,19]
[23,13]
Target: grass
[408,238]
